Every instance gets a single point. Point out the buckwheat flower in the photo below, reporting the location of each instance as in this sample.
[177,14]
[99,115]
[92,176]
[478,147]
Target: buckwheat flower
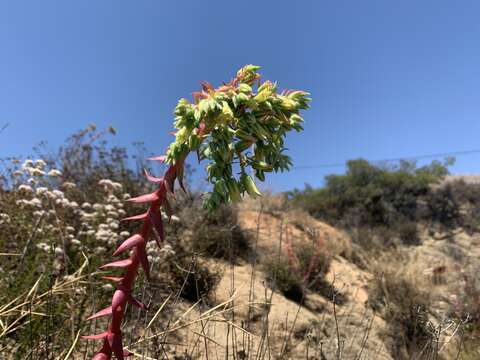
[58,251]
[124,234]
[54,173]
[70,236]
[41,190]
[25,188]
[112,198]
[27,162]
[97,207]
[76,242]
[103,227]
[117,186]
[36,172]
[87,217]
[73,204]
[90,232]
[113,214]
[86,205]
[58,193]
[70,229]
[126,196]
[36,202]
[21,202]
[32,181]
[4,218]
[100,250]
[17,173]
[39,163]
[109,207]
[107,287]
[69,185]
[175,218]
[43,247]
[167,250]
[122,212]
[38,213]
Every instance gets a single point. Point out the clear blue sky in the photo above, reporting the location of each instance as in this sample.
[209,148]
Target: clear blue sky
[388,79]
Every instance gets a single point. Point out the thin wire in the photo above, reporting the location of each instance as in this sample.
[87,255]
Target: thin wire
[414,157]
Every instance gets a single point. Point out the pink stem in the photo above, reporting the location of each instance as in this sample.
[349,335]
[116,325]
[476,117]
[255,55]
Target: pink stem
[112,338]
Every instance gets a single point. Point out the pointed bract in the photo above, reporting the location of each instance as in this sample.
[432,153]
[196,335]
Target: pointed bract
[136,217]
[144,198]
[96,337]
[119,263]
[129,243]
[113,278]
[105,312]
[161,158]
[153,179]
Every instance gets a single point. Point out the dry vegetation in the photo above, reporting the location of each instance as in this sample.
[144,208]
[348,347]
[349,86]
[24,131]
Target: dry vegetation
[380,270]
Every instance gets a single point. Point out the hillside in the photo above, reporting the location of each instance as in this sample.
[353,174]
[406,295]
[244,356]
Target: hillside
[309,329]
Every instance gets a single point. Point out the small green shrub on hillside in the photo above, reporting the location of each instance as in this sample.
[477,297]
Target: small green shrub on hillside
[302,268]
[214,234]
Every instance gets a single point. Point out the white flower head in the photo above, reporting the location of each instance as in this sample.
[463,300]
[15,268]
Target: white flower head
[69,185]
[42,190]
[40,164]
[25,188]
[58,251]
[54,173]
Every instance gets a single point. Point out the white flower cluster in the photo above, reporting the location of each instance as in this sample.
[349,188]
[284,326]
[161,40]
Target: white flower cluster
[110,185]
[4,218]
[103,220]
[99,222]
[156,254]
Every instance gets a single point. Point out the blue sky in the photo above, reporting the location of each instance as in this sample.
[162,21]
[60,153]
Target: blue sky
[388,79]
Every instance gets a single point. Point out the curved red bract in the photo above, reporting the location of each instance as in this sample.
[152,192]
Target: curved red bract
[152,219]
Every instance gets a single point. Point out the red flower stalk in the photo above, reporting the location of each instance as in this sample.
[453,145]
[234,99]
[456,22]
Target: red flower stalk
[151,221]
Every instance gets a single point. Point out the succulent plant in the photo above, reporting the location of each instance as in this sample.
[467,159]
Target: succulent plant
[239,128]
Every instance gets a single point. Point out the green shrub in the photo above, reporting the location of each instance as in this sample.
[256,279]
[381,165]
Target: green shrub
[303,268]
[214,234]
[279,274]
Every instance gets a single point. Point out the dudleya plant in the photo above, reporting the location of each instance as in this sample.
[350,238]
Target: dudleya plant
[239,128]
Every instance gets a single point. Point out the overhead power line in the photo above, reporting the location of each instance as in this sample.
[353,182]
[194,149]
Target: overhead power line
[414,157]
